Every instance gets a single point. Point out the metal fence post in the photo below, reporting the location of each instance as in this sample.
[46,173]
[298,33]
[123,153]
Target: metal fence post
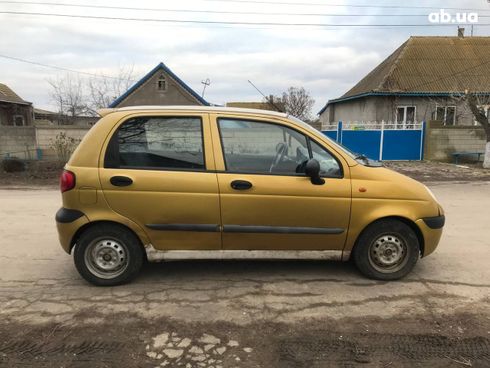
[422,138]
[381,140]
[339,132]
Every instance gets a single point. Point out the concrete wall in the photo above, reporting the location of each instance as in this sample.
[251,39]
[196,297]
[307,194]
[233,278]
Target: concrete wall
[148,94]
[384,108]
[441,141]
[18,141]
[45,136]
[64,121]
[22,142]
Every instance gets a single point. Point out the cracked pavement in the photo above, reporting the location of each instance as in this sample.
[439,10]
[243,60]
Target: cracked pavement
[39,285]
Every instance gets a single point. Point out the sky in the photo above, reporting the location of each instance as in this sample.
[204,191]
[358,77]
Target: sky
[326,47]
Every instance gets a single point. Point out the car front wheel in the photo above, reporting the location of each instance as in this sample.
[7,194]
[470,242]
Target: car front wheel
[387,250]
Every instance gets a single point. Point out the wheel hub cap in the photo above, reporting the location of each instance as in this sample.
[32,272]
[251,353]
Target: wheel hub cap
[106,258]
[388,251]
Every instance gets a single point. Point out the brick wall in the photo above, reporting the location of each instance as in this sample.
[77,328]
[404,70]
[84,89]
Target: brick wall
[441,141]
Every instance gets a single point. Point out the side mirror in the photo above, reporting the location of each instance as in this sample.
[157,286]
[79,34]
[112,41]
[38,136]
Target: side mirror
[312,170]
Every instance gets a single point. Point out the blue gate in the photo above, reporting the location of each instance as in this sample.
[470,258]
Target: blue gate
[382,141]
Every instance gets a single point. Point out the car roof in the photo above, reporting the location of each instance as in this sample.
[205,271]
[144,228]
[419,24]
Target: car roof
[104,112]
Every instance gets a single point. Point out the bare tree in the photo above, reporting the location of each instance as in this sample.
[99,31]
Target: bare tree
[103,91]
[74,96]
[297,102]
[68,95]
[477,107]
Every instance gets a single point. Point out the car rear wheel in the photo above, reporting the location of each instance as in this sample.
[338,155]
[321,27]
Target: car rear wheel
[108,255]
[387,250]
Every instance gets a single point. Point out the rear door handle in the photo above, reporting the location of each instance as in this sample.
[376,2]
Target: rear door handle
[121,181]
[241,184]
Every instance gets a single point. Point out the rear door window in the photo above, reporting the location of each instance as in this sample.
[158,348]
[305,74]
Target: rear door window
[165,143]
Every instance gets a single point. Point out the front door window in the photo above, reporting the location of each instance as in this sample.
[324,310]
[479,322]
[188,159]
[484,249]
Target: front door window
[267,148]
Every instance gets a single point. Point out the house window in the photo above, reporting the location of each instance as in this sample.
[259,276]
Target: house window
[486,109]
[446,114]
[19,120]
[162,83]
[405,115]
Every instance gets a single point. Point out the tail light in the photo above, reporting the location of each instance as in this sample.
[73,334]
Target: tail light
[67,181]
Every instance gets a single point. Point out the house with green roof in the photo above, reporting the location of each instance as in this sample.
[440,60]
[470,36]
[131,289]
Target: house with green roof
[424,79]
[159,87]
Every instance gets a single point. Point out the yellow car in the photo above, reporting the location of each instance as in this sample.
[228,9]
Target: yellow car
[178,182]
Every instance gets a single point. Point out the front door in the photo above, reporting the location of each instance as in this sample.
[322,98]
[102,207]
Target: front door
[159,172]
[267,202]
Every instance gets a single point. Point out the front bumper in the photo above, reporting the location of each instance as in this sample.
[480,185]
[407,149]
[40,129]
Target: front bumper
[436,222]
[68,222]
[431,228]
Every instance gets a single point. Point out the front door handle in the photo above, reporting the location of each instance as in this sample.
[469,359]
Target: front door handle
[121,181]
[241,184]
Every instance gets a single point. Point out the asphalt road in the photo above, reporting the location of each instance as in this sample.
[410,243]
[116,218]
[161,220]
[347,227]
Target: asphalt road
[245,313]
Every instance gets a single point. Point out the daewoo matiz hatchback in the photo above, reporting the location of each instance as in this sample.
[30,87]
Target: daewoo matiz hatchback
[163,183]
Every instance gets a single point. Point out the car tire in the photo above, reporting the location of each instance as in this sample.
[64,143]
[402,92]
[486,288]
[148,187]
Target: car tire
[386,250]
[108,255]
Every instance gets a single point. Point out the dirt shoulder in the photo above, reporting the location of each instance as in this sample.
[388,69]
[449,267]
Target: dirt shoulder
[124,341]
[38,175]
[431,171]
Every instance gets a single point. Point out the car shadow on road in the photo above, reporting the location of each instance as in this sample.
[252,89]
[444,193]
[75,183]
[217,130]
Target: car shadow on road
[188,270]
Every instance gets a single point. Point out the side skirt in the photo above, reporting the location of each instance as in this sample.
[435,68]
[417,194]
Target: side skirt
[155,255]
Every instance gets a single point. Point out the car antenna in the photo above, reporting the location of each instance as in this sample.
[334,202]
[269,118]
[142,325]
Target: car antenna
[269,100]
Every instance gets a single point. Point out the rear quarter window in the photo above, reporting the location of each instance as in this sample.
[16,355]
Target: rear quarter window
[166,143]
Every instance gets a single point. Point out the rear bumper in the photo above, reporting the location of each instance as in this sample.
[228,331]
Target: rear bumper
[66,215]
[68,222]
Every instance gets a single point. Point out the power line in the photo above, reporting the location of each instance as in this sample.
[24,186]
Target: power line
[269,100]
[318,14]
[188,21]
[58,67]
[342,5]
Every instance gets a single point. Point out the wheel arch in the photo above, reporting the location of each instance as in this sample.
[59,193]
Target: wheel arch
[402,219]
[89,225]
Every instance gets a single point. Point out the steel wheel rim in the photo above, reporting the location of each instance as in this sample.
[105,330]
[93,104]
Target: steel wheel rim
[106,258]
[388,253]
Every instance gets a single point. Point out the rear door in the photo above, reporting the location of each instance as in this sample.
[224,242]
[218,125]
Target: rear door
[159,172]
[267,202]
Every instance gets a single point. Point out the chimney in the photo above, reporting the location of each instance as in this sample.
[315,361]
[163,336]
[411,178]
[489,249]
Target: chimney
[461,32]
